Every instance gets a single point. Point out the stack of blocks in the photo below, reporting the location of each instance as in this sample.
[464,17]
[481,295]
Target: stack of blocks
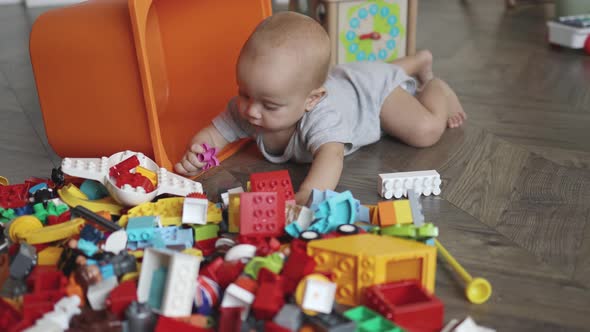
[394,213]
[188,268]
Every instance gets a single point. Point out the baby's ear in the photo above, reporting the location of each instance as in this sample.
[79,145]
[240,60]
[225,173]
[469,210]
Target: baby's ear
[314,98]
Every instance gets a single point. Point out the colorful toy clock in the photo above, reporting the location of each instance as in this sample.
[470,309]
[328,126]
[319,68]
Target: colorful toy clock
[368,30]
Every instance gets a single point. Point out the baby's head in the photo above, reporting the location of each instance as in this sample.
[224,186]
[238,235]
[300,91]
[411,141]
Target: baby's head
[281,70]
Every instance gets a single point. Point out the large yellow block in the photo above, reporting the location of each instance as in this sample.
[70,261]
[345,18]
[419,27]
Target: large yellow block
[363,260]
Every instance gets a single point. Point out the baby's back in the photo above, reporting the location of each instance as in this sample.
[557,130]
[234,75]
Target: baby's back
[356,92]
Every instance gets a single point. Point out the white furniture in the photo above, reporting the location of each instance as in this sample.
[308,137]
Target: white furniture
[41,3]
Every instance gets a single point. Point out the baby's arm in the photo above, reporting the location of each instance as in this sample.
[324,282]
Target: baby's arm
[325,171]
[189,165]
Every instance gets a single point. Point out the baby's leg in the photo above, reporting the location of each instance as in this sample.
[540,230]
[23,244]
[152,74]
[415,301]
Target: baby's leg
[420,121]
[418,65]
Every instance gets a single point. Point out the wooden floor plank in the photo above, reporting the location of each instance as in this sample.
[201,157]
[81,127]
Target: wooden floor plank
[481,178]
[582,267]
[549,213]
[532,127]
[563,157]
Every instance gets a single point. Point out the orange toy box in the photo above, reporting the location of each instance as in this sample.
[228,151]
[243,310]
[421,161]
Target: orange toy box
[140,75]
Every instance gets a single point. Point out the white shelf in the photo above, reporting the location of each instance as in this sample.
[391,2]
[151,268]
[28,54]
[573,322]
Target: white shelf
[44,3]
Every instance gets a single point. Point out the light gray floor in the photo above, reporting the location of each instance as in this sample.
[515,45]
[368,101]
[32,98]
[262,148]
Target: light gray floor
[24,150]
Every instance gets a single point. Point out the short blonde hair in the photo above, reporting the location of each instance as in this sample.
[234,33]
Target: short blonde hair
[298,34]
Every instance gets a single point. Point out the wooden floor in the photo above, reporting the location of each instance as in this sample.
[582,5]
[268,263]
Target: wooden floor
[516,191]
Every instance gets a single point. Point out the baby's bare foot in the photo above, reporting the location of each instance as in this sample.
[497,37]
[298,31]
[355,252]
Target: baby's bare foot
[425,74]
[456,115]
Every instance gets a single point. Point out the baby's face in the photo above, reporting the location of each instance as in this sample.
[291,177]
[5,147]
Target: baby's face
[271,96]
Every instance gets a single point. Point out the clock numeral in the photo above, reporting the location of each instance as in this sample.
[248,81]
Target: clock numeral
[373,9]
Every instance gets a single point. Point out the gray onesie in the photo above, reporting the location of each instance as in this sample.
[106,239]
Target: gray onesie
[348,113]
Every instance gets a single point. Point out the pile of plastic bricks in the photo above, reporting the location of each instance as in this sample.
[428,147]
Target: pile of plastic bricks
[75,256]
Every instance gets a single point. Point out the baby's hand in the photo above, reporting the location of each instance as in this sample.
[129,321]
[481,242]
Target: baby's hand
[190,165]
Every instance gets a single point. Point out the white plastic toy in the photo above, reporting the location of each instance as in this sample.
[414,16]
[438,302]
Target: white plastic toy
[241,252]
[97,294]
[319,296]
[397,184]
[224,244]
[58,320]
[116,242]
[177,291]
[301,215]
[236,296]
[194,211]
[466,325]
[225,195]
[571,31]
[98,169]
[416,208]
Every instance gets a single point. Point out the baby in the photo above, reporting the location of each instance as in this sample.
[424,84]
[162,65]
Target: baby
[298,109]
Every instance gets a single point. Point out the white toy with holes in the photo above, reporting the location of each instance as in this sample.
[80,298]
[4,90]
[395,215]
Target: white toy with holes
[98,169]
[397,184]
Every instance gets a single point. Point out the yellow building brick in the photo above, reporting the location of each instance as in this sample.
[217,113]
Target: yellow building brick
[403,212]
[152,176]
[360,261]
[214,213]
[49,256]
[168,209]
[234,213]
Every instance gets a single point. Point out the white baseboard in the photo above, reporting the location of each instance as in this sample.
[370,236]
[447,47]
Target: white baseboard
[44,3]
[9,2]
